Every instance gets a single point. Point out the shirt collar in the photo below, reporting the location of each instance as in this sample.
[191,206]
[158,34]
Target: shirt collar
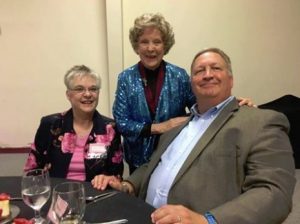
[211,111]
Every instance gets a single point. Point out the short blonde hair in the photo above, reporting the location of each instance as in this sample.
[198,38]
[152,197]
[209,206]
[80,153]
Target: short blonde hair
[152,20]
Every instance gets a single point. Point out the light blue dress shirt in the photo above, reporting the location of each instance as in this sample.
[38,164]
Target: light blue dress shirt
[173,158]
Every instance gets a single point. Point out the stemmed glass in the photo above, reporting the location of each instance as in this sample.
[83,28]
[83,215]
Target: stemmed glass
[68,202]
[36,191]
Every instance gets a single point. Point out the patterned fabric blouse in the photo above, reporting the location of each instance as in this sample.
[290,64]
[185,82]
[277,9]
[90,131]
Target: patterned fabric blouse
[55,142]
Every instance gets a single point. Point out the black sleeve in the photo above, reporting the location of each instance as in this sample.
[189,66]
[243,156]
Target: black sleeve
[146,131]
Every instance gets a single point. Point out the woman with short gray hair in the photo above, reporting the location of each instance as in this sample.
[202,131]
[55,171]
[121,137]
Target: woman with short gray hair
[79,143]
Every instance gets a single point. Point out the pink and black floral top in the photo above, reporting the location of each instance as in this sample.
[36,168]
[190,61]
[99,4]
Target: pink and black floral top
[55,142]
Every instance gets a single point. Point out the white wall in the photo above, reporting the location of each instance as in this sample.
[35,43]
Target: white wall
[39,42]
[12,164]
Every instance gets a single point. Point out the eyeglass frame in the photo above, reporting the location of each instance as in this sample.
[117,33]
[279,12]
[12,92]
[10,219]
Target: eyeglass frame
[82,90]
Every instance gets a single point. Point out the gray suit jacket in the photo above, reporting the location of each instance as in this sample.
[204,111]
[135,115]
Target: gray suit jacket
[241,170]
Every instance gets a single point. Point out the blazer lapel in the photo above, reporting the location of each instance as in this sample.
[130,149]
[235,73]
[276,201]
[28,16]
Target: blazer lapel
[155,158]
[212,130]
[164,145]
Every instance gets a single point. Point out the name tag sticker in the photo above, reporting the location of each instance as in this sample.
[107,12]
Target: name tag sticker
[96,151]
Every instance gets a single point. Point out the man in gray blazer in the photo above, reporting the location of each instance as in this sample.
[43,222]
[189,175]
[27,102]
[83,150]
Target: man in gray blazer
[228,164]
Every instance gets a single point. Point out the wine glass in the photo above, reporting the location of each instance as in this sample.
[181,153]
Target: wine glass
[36,191]
[68,202]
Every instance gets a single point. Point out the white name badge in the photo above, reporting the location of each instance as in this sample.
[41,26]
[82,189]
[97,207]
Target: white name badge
[96,151]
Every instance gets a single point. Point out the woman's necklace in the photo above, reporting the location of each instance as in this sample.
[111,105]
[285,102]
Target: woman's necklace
[144,81]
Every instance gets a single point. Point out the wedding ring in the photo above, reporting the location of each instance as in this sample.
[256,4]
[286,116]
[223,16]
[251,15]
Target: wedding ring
[179,218]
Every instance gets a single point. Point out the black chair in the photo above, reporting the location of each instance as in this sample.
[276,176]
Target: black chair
[290,106]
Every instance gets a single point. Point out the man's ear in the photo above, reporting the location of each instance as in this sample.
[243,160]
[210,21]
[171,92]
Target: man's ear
[231,81]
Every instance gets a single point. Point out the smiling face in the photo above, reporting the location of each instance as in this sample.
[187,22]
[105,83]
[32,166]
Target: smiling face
[83,95]
[211,80]
[151,48]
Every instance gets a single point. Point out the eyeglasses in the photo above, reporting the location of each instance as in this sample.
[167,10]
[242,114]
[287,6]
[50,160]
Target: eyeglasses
[81,90]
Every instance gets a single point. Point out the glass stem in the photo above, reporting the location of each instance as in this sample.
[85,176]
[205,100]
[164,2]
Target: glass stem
[37,214]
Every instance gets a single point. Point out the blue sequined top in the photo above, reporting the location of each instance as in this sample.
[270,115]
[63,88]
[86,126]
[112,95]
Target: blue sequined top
[131,111]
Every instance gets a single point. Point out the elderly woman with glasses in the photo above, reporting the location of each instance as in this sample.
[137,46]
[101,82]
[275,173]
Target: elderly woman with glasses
[79,143]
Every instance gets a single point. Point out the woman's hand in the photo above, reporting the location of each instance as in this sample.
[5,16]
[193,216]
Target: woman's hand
[168,214]
[167,125]
[246,101]
[101,182]
[47,167]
